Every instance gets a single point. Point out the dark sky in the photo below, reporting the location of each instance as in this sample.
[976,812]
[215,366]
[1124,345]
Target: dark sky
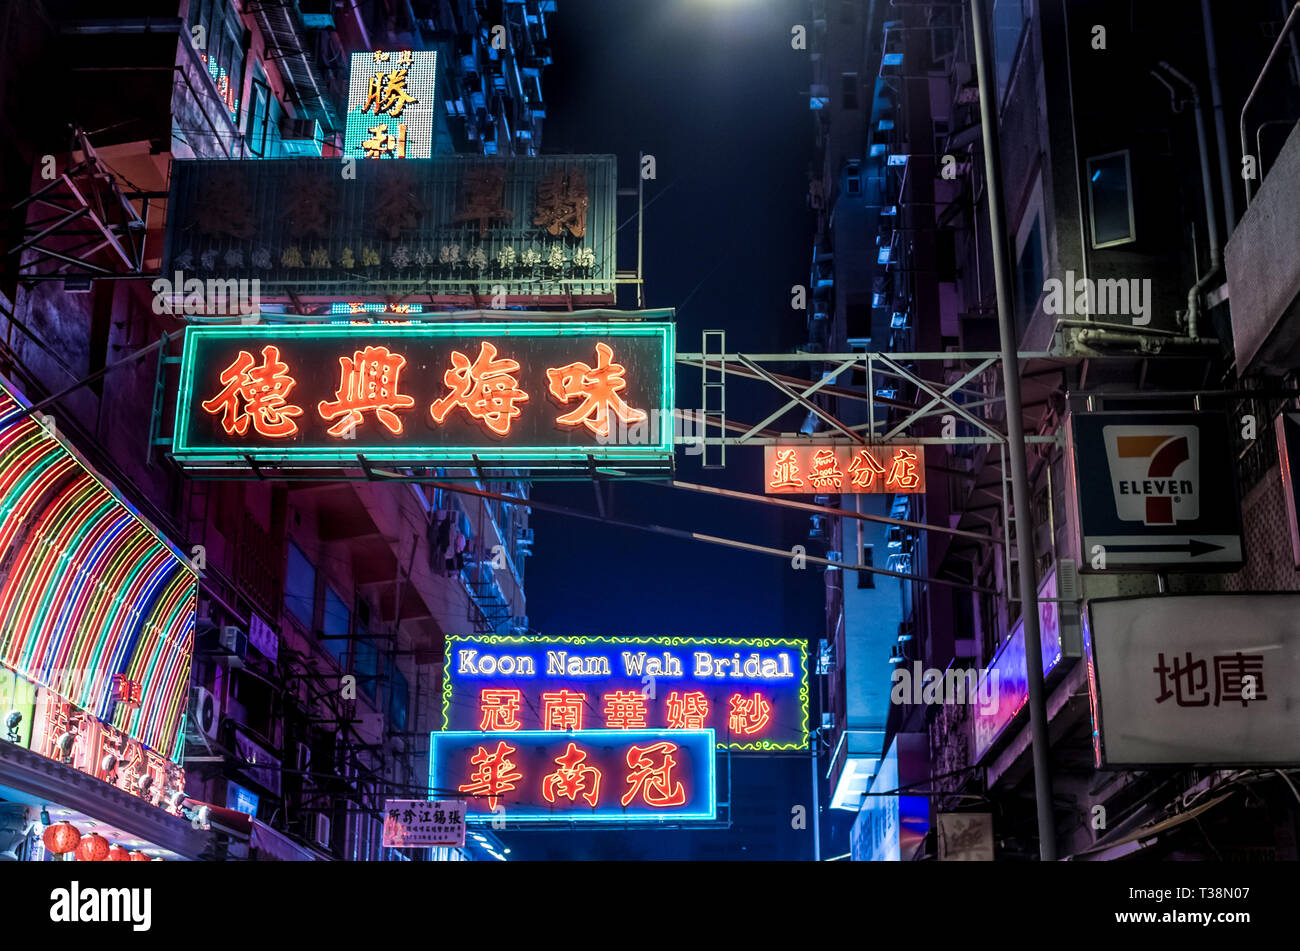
[712,89]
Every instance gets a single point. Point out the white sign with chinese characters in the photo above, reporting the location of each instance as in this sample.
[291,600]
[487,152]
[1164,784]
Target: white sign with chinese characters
[1195,679]
[419,823]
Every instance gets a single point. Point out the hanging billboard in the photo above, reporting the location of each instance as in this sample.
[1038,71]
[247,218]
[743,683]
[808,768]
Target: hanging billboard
[1154,491]
[424,394]
[894,468]
[455,230]
[1197,680]
[577,775]
[420,824]
[751,692]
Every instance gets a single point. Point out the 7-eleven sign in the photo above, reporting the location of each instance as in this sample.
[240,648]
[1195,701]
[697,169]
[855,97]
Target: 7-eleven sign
[1154,473]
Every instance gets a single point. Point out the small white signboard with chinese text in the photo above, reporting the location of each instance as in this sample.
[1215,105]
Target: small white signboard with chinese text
[1209,680]
[419,823]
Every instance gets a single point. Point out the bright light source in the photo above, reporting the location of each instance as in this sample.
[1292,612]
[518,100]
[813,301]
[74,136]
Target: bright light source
[897,160]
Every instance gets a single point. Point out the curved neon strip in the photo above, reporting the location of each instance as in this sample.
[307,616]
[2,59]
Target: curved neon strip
[91,589]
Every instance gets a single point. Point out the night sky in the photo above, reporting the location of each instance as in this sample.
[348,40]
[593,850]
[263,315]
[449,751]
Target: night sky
[713,91]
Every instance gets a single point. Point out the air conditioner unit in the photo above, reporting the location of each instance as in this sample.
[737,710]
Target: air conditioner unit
[207,712]
[321,834]
[235,644]
[304,765]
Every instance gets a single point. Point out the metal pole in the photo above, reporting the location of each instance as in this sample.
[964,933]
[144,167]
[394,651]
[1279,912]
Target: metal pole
[817,829]
[1220,129]
[1020,497]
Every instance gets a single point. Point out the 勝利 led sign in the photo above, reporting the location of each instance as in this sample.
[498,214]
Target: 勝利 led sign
[579,775]
[391,104]
[422,393]
[844,470]
[751,692]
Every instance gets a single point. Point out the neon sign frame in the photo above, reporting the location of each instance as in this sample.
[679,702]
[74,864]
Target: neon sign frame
[701,745]
[796,690]
[195,451]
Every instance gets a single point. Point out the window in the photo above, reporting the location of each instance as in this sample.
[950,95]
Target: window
[1110,200]
[224,53]
[259,117]
[867,579]
[300,587]
[1029,275]
[1008,23]
[366,665]
[397,700]
[849,90]
[337,624]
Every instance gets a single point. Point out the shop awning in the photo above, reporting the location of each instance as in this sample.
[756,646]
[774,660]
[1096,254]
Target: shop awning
[29,777]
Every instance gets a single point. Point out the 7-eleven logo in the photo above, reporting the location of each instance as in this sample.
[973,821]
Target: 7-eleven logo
[1154,472]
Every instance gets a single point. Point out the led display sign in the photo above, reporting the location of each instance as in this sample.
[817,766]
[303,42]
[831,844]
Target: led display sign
[751,692]
[844,470]
[391,104]
[578,775]
[321,394]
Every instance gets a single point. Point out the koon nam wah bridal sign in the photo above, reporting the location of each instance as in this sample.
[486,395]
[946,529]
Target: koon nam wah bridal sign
[416,394]
[751,692]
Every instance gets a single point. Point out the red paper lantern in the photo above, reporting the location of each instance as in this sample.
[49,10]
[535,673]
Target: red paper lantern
[118,854]
[61,837]
[139,857]
[92,848]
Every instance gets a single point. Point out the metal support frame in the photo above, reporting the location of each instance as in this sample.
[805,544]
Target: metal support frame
[713,396]
[715,365]
[91,214]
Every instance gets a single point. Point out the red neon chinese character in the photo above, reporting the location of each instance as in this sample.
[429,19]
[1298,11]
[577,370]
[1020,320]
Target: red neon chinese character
[570,779]
[493,775]
[652,775]
[127,691]
[485,388]
[785,475]
[748,714]
[625,710]
[903,471]
[264,391]
[369,382]
[687,711]
[864,468]
[500,709]
[562,710]
[599,386]
[825,473]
